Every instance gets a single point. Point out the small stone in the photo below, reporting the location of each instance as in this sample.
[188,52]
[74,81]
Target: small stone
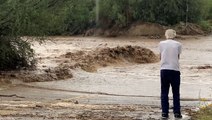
[76,102]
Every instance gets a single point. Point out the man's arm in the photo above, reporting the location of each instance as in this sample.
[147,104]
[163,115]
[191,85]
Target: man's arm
[179,50]
[159,48]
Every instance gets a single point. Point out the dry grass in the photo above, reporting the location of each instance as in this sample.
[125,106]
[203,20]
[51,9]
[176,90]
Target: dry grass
[205,113]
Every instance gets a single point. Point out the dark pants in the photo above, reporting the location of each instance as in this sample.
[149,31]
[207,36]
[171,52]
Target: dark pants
[170,77]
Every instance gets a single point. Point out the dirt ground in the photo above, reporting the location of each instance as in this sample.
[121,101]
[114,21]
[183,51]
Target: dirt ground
[94,78]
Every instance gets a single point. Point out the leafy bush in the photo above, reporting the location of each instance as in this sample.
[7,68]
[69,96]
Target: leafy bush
[206,25]
[168,12]
[26,18]
[15,53]
[79,16]
[207,10]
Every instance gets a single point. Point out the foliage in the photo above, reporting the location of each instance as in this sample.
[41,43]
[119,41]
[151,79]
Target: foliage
[79,16]
[169,12]
[29,17]
[207,9]
[56,17]
[115,12]
[15,53]
[123,12]
[17,19]
[206,25]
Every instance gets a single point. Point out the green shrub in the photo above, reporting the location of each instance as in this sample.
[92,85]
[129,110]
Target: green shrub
[206,25]
[207,10]
[15,53]
[79,16]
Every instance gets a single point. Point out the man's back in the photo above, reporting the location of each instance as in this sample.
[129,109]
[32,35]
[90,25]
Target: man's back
[170,51]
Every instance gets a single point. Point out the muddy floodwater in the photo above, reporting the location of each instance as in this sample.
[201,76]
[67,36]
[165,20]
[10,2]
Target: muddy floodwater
[125,91]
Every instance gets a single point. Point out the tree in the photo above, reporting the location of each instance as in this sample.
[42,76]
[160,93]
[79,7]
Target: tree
[23,18]
[207,11]
[79,16]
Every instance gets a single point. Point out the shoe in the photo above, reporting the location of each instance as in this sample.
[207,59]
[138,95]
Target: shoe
[178,115]
[165,115]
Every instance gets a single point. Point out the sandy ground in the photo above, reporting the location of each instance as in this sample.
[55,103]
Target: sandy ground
[125,91]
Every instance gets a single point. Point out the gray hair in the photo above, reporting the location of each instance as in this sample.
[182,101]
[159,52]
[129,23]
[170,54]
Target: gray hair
[170,34]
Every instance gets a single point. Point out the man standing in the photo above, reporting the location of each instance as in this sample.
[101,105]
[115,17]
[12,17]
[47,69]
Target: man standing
[170,51]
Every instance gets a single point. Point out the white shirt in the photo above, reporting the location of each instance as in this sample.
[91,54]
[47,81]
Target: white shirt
[170,51]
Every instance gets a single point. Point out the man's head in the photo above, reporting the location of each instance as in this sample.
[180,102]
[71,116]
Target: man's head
[170,34]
